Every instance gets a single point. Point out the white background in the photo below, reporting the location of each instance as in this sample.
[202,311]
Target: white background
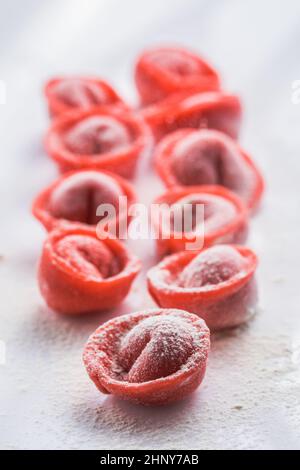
[251,394]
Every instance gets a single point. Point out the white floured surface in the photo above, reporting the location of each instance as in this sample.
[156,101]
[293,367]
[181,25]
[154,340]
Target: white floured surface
[251,394]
